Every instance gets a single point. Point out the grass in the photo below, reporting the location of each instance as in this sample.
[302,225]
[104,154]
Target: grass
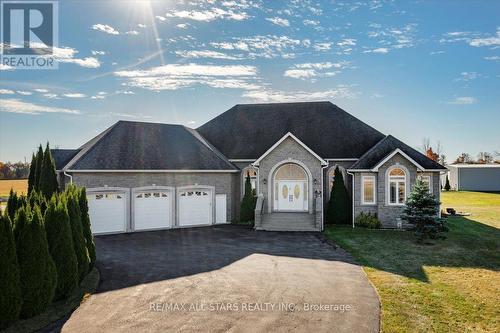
[19,185]
[451,286]
[58,309]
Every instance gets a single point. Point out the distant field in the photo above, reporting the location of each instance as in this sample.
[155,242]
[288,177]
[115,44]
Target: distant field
[19,185]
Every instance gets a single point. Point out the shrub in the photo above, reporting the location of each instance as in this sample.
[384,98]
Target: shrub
[87,231]
[36,199]
[247,211]
[10,285]
[48,179]
[339,210]
[79,245]
[421,209]
[37,269]
[367,220]
[23,215]
[32,174]
[61,248]
[12,204]
[447,186]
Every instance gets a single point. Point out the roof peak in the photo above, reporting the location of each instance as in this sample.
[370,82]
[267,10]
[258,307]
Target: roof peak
[286,103]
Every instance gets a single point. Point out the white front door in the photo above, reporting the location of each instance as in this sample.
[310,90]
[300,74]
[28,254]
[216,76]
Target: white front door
[195,207]
[291,195]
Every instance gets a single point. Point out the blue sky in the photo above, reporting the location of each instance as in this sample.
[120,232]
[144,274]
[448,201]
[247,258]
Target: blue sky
[411,69]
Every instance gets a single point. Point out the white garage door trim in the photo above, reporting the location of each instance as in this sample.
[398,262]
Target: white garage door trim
[220,208]
[125,192]
[170,191]
[210,190]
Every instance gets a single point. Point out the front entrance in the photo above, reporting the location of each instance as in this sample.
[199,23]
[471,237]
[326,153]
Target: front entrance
[290,188]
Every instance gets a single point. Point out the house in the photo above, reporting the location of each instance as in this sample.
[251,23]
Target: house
[145,176]
[474,177]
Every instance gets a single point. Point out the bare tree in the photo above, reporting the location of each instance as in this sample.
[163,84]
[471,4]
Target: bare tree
[426,144]
[485,157]
[464,158]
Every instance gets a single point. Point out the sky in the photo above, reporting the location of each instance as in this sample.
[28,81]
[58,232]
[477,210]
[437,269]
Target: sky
[413,69]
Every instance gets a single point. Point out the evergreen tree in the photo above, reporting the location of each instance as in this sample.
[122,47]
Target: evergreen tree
[37,269]
[87,230]
[10,285]
[32,174]
[48,178]
[421,209]
[38,170]
[12,204]
[61,248]
[247,210]
[79,245]
[338,211]
[447,186]
[23,215]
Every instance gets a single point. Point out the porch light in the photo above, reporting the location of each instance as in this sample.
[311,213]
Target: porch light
[315,181]
[264,181]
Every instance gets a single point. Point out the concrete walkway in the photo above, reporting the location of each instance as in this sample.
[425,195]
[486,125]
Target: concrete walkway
[226,278]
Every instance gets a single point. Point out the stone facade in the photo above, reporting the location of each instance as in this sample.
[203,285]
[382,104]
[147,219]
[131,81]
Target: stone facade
[389,214]
[224,183]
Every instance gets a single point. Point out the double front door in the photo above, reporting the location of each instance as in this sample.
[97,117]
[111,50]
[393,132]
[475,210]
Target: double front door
[291,195]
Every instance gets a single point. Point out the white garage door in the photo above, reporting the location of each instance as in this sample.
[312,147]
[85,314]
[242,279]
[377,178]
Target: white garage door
[195,207]
[152,209]
[107,211]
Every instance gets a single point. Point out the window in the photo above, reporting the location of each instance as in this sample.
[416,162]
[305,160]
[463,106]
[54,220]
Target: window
[426,179]
[252,172]
[368,190]
[397,186]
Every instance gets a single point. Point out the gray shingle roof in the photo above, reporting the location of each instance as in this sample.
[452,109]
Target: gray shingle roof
[385,147]
[63,156]
[246,131]
[149,146]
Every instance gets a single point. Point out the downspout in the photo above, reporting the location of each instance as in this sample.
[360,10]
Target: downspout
[69,176]
[352,196]
[323,197]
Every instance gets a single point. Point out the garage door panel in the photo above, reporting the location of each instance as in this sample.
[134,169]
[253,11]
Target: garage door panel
[107,212]
[152,210]
[195,207]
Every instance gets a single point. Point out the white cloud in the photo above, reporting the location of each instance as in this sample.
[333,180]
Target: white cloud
[310,22]
[464,100]
[468,76]
[206,54]
[142,26]
[18,106]
[270,95]
[88,62]
[95,52]
[492,58]
[208,15]
[312,70]
[74,95]
[300,73]
[161,18]
[51,96]
[279,21]
[486,41]
[394,37]
[105,28]
[24,93]
[125,92]
[182,25]
[322,46]
[132,32]
[380,50]
[67,55]
[5,67]
[347,42]
[175,76]
[6,92]
[130,115]
[40,90]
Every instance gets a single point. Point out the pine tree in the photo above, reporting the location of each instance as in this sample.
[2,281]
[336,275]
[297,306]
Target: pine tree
[447,186]
[79,245]
[61,248]
[37,269]
[247,210]
[338,211]
[12,204]
[32,175]
[421,209]
[22,217]
[87,230]
[48,178]
[38,170]
[10,285]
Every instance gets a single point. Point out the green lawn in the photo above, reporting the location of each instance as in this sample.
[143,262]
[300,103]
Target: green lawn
[452,286]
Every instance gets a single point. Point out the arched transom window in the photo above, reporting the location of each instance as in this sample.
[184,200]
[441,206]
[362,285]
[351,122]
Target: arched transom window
[397,186]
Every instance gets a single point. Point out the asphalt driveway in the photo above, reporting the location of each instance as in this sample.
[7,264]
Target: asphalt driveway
[225,278]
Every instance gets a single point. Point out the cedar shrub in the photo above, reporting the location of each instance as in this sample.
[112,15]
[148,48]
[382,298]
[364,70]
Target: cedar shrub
[48,178]
[338,211]
[247,210]
[32,174]
[75,219]
[87,230]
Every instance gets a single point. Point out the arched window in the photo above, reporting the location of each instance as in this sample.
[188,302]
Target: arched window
[397,186]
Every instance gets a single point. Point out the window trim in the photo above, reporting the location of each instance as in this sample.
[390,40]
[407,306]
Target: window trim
[388,185]
[368,203]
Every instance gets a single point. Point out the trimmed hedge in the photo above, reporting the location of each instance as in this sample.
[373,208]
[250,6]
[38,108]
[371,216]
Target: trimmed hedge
[87,231]
[79,244]
[339,208]
[61,248]
[10,284]
[37,269]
